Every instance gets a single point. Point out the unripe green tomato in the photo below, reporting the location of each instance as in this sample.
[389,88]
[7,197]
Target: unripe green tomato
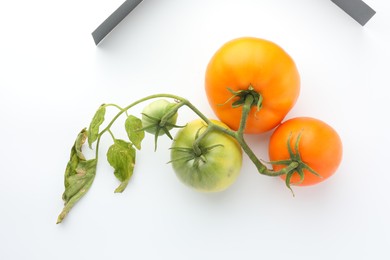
[219,166]
[153,113]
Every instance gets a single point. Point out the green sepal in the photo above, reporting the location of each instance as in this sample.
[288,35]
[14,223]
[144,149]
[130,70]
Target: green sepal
[295,158]
[159,130]
[121,156]
[241,95]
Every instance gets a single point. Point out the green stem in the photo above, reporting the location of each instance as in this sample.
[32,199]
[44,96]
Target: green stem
[97,149]
[261,168]
[291,167]
[196,143]
[239,136]
[172,112]
[112,135]
[113,105]
[244,115]
[197,112]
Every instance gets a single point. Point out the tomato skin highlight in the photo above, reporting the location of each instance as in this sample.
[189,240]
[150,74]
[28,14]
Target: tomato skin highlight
[222,163]
[320,147]
[259,63]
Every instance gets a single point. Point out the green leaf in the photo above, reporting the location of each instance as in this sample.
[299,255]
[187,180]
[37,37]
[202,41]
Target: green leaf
[80,140]
[79,175]
[97,120]
[121,156]
[84,174]
[133,126]
[75,155]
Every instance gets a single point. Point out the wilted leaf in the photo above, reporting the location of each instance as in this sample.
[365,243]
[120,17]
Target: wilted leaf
[121,156]
[75,155]
[79,175]
[133,126]
[97,120]
[83,174]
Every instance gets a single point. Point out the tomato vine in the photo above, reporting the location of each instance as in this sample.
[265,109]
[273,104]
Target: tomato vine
[80,172]
[251,85]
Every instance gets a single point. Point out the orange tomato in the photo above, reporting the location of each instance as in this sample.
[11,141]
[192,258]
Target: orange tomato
[255,62]
[319,147]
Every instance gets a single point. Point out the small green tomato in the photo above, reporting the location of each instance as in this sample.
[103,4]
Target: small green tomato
[211,168]
[152,115]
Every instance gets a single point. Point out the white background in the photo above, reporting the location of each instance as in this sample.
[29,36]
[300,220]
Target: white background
[53,78]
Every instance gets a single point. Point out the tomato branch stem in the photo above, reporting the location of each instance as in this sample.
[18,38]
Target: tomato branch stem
[196,143]
[237,135]
[197,112]
[247,100]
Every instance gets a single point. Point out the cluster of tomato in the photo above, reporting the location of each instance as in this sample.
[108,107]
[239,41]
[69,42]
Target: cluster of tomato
[261,69]
[251,85]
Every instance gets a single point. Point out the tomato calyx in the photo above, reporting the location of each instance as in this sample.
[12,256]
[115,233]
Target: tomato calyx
[159,127]
[159,117]
[295,163]
[195,154]
[242,95]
